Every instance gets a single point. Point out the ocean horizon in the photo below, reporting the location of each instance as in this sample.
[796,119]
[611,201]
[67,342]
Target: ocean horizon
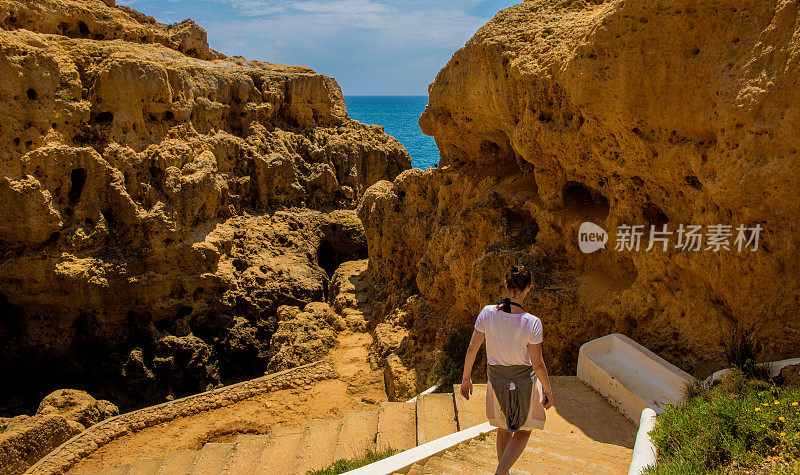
[399,116]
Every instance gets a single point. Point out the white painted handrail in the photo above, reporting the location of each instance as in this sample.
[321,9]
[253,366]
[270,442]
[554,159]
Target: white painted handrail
[403,460]
[430,390]
[644,452]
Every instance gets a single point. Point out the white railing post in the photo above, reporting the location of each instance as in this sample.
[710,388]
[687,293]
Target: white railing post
[644,452]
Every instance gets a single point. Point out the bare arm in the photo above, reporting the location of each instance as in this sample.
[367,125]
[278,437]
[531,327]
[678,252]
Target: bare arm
[537,362]
[474,345]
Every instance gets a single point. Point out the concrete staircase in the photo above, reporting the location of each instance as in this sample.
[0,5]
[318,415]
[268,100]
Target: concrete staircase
[547,453]
[396,425]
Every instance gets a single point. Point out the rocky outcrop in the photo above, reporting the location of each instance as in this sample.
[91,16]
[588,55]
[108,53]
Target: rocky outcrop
[77,406]
[61,415]
[619,113]
[100,20]
[303,335]
[349,294]
[158,202]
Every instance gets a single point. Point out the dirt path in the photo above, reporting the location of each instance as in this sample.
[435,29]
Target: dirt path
[359,386]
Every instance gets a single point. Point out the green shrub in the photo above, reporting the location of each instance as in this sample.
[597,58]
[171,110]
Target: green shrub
[742,349]
[342,466]
[738,422]
[451,361]
[694,389]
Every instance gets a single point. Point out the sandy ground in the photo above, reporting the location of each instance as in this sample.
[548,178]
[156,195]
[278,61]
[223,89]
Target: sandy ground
[358,387]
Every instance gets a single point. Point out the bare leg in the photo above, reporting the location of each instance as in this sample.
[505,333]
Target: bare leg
[513,450]
[503,436]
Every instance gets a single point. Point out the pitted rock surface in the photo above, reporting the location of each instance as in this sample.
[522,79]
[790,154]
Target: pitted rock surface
[159,202]
[621,112]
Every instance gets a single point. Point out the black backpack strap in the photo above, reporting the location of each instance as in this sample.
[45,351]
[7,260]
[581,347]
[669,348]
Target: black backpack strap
[506,303]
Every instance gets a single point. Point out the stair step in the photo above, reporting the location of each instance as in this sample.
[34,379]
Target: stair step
[527,467]
[466,467]
[597,456]
[145,466]
[584,449]
[487,450]
[280,452]
[559,457]
[211,458]
[595,446]
[246,453]
[263,438]
[436,417]
[358,435]
[576,464]
[532,458]
[397,426]
[114,471]
[473,412]
[489,464]
[598,448]
[318,445]
[447,467]
[453,459]
[178,462]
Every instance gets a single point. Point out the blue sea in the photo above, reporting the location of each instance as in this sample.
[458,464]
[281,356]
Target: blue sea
[398,115]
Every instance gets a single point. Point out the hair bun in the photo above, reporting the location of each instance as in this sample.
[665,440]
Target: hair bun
[518,277]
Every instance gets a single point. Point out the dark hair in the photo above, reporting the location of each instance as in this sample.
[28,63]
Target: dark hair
[518,277]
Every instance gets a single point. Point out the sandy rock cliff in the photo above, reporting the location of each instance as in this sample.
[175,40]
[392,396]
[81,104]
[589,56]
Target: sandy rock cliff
[619,112]
[61,415]
[159,202]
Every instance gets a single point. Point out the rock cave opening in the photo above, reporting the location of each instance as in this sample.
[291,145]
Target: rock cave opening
[694,182]
[583,202]
[83,28]
[32,94]
[654,215]
[522,227]
[327,257]
[78,180]
[104,117]
[240,264]
[340,243]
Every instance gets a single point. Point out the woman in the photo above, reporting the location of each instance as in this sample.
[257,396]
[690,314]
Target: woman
[519,389]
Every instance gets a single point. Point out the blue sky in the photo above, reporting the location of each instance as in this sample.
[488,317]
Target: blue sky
[369,46]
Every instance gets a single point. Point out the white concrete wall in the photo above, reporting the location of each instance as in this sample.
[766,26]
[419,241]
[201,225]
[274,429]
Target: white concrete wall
[630,376]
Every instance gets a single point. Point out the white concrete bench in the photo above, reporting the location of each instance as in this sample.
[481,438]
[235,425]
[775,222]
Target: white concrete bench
[630,376]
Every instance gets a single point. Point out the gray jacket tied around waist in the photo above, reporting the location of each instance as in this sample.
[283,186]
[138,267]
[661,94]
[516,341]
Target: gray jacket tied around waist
[515,403]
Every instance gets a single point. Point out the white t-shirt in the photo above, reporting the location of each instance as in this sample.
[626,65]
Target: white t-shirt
[508,335]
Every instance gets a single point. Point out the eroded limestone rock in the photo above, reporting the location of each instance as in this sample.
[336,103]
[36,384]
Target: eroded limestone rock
[77,406]
[303,336]
[27,440]
[156,201]
[61,415]
[621,112]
